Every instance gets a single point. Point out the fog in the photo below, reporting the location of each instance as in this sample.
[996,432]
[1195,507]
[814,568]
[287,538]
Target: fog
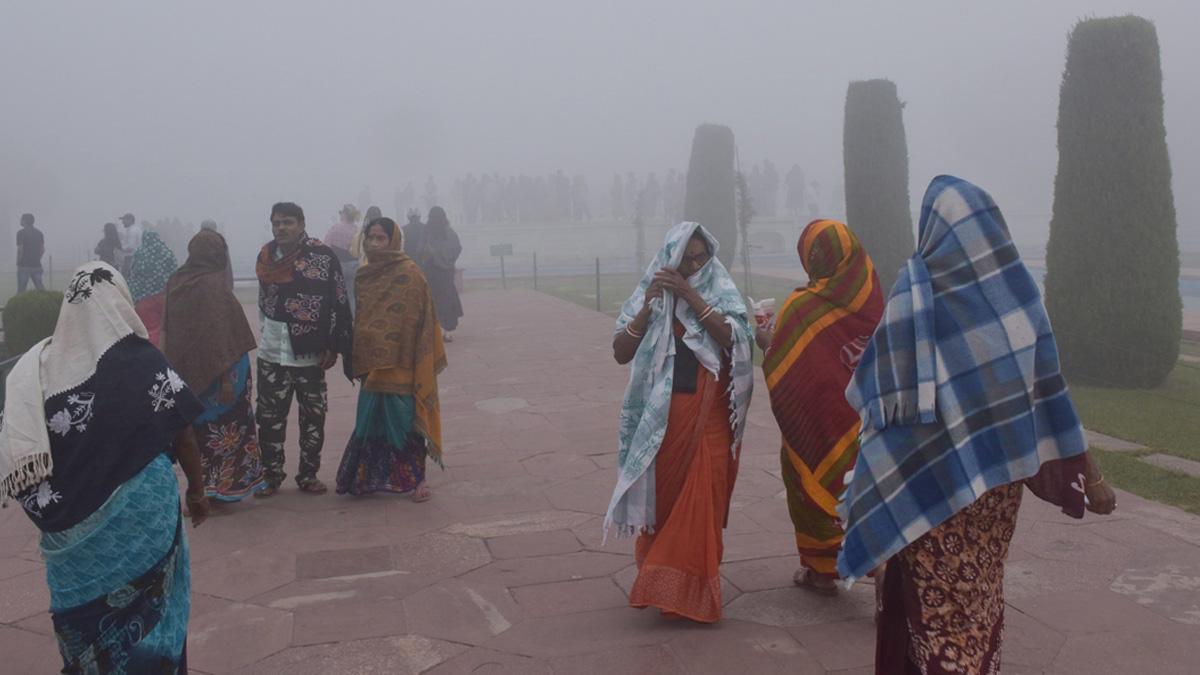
[216,110]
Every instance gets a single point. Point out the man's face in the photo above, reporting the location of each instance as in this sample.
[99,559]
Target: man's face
[287,229]
[695,257]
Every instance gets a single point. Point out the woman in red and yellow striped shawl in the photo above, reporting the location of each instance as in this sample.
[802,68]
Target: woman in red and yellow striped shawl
[819,337]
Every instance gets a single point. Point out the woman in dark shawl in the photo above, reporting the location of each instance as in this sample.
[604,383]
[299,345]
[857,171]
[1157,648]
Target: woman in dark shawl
[208,340]
[436,250]
[94,417]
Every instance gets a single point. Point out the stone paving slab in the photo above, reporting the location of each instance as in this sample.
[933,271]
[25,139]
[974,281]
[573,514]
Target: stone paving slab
[505,570]
[1096,439]
[1173,463]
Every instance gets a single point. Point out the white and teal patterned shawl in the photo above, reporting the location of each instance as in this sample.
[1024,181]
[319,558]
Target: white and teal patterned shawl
[648,397]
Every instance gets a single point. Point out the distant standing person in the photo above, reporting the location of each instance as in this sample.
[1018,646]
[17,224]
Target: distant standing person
[342,237]
[31,245]
[131,240]
[431,192]
[437,252]
[397,356]
[616,198]
[580,207]
[109,249]
[796,187]
[306,323]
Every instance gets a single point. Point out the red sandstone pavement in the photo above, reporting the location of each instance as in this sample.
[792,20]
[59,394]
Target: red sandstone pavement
[503,571]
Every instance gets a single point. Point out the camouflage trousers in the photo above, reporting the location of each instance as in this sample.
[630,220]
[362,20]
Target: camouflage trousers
[276,386]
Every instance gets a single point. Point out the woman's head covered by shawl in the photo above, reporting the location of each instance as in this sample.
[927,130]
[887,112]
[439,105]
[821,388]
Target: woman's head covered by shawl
[382,227]
[207,251]
[438,219]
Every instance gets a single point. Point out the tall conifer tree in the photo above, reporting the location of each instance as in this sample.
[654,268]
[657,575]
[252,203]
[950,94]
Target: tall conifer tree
[876,165]
[1112,282]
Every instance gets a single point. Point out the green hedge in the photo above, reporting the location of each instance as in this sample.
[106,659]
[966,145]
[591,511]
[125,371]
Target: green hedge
[29,318]
[711,195]
[1112,281]
[876,165]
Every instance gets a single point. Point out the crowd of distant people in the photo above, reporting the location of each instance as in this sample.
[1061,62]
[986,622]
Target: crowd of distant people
[559,197]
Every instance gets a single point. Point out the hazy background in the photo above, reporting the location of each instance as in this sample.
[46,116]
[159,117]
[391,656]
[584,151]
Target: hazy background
[216,110]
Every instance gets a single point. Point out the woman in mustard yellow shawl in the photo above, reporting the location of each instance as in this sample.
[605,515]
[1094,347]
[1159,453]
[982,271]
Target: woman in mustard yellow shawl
[397,356]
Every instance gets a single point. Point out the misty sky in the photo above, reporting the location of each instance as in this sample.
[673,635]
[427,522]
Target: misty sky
[217,110]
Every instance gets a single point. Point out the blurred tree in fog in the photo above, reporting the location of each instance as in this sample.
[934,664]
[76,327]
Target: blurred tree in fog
[1112,281]
[710,198]
[876,165]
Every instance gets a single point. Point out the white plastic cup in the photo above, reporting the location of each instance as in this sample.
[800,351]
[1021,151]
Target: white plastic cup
[764,311]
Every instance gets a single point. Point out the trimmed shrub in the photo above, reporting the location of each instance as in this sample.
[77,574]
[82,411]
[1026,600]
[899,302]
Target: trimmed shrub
[29,318]
[711,195]
[1112,279]
[876,165]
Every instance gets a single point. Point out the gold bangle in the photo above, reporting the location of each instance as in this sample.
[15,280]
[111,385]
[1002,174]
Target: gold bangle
[632,333]
[1099,482]
[708,312]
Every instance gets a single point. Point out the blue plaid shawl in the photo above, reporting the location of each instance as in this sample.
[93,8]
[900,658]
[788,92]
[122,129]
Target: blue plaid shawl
[959,390]
[648,397]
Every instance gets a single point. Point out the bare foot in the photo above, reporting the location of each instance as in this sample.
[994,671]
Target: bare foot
[811,580]
[422,493]
[267,491]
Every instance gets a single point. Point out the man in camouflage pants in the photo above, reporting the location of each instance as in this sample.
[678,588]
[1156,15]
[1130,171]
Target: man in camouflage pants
[306,324]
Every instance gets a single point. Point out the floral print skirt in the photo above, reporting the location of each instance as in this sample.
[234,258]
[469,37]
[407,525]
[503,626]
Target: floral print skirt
[942,603]
[228,439]
[384,453]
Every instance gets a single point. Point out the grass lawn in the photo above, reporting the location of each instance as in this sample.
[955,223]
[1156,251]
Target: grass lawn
[1127,472]
[1166,419]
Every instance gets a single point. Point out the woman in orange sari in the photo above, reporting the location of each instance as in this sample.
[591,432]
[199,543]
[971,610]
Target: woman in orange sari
[686,332]
[819,337]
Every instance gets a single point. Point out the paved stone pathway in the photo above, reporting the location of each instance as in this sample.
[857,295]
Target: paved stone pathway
[504,571]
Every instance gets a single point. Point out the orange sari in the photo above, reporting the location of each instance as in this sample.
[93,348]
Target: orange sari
[678,565]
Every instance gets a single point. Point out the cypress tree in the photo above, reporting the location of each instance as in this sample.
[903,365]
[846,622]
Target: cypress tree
[1112,281]
[876,165]
[711,192]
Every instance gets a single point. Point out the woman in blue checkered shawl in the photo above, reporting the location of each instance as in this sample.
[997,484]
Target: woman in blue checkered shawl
[962,404]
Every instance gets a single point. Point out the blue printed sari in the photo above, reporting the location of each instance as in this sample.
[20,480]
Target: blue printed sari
[119,585]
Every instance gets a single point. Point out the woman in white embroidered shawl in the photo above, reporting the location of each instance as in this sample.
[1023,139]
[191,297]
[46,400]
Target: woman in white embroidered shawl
[686,331]
[93,417]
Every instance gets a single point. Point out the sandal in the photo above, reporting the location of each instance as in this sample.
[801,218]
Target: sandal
[809,579]
[422,493]
[314,487]
[266,491]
